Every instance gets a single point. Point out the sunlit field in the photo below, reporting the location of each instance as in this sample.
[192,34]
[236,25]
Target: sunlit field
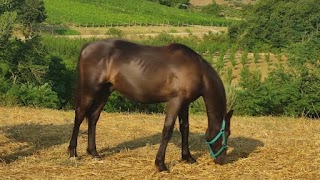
[33,145]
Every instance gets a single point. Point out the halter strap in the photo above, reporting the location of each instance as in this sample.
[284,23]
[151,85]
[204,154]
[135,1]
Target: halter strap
[224,141]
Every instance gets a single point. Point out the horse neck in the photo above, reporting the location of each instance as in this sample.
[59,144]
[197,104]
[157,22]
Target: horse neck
[215,117]
[215,101]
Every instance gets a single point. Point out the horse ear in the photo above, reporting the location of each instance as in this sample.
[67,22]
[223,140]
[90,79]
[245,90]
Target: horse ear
[229,115]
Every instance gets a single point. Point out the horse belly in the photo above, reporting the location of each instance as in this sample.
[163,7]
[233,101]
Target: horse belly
[143,88]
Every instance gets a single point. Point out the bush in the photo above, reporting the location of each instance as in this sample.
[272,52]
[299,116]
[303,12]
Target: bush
[117,103]
[252,98]
[114,32]
[31,95]
[212,9]
[171,3]
[284,92]
[4,88]
[62,81]
[198,106]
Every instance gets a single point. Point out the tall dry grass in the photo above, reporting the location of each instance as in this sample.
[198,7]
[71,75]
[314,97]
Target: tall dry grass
[33,145]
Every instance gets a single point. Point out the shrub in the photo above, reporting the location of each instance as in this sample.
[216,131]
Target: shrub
[62,81]
[114,32]
[31,95]
[212,9]
[67,32]
[117,103]
[256,55]
[228,76]
[284,92]
[198,106]
[244,57]
[231,95]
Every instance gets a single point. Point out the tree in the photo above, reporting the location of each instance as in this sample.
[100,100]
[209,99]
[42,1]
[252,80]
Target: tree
[23,60]
[32,12]
[25,13]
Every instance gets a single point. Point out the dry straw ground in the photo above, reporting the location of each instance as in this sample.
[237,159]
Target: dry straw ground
[33,145]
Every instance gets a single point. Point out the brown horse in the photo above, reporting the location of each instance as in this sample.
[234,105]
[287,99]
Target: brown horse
[174,74]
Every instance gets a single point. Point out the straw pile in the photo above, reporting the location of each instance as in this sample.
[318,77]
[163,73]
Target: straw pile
[33,145]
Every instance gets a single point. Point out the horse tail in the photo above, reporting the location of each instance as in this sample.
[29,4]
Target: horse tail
[77,86]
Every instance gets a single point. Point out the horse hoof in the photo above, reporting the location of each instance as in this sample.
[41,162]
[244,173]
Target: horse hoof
[189,159]
[97,158]
[74,158]
[162,168]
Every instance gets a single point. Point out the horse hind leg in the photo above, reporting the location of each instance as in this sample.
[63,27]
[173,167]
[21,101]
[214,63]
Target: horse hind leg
[80,113]
[93,115]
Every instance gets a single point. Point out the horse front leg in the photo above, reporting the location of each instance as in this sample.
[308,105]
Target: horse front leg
[171,115]
[184,130]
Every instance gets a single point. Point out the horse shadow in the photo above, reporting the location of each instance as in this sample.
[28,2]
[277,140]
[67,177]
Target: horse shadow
[30,138]
[36,137]
[242,147]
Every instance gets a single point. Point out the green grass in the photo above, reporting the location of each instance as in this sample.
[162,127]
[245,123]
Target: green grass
[66,32]
[108,12]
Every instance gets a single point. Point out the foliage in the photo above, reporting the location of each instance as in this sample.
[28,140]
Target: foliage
[117,103]
[25,60]
[228,76]
[6,25]
[256,55]
[171,3]
[66,32]
[61,80]
[26,12]
[212,9]
[281,26]
[115,32]
[278,23]
[23,63]
[31,95]
[244,57]
[284,92]
[253,98]
[32,12]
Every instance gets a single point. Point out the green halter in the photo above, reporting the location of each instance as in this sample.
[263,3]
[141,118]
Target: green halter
[224,141]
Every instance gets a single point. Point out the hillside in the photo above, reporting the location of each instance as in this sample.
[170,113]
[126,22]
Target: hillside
[138,12]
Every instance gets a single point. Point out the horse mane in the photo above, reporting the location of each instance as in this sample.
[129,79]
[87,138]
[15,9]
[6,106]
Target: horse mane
[186,50]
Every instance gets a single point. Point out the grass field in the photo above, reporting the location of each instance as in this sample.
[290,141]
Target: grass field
[106,13]
[33,145]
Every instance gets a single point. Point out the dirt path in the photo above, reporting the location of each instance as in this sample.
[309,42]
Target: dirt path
[181,34]
[136,31]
